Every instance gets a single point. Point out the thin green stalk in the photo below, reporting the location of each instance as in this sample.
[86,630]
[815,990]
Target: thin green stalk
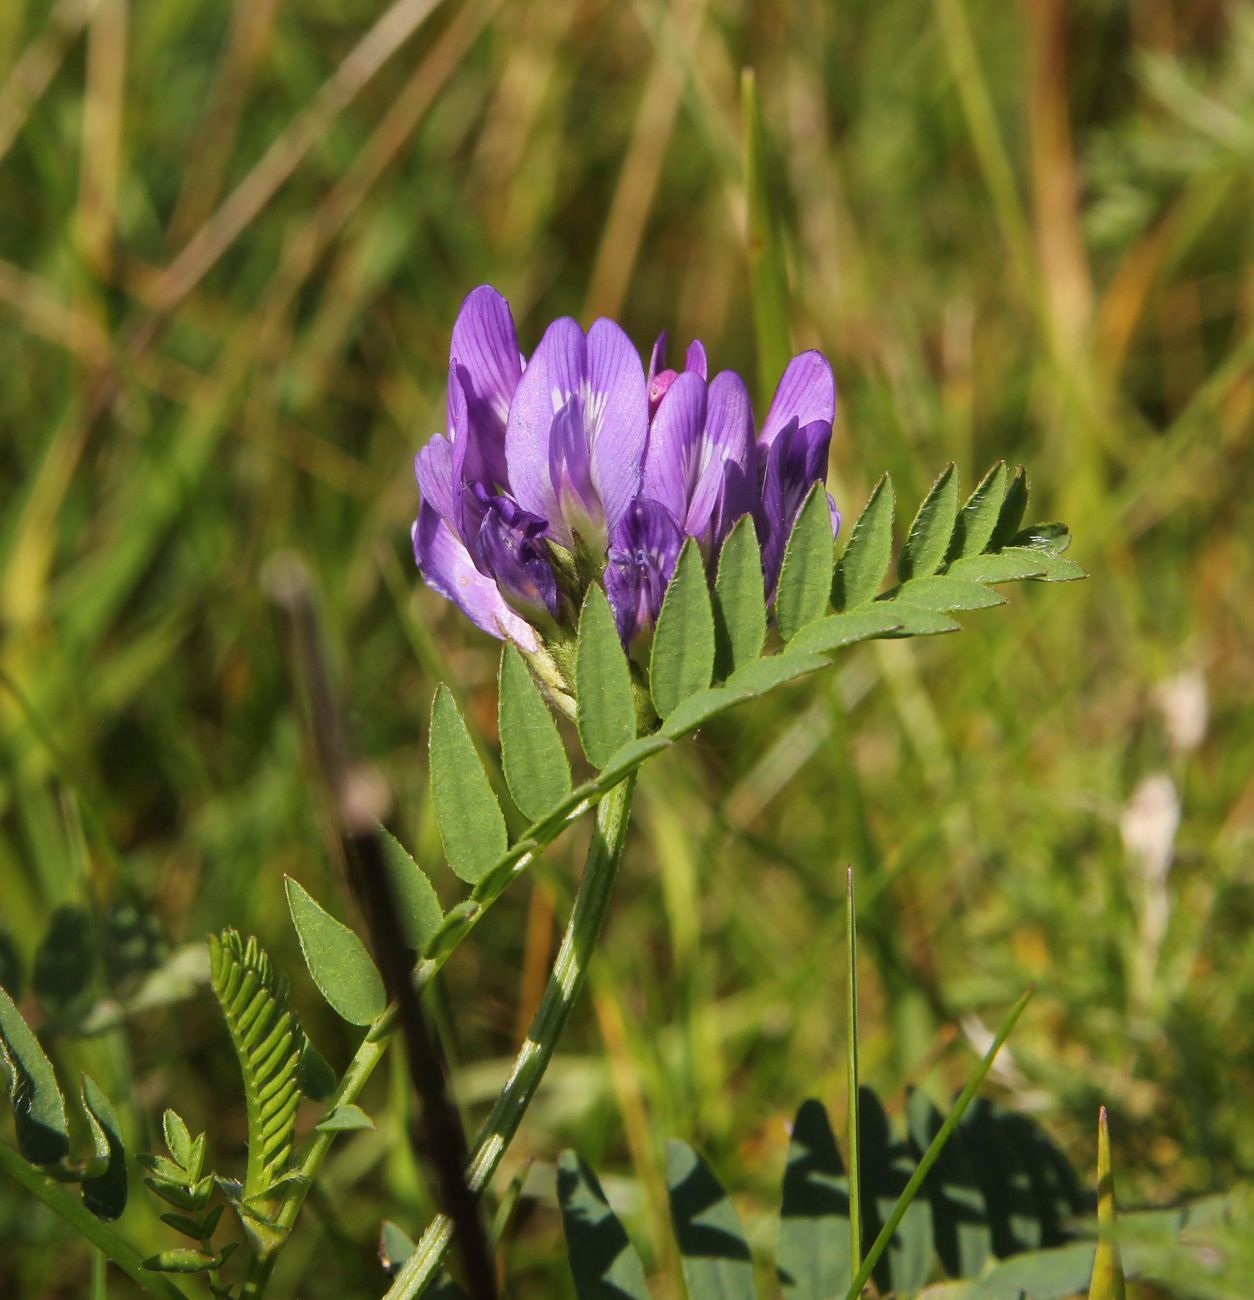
[68,1206]
[851,1056]
[911,1189]
[570,971]
[768,278]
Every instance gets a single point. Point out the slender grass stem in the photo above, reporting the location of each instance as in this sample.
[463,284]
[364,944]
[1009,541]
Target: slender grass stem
[570,971]
[68,1207]
[851,1057]
[911,1189]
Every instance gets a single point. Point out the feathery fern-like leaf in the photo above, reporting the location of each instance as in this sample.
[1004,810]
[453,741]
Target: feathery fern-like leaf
[268,1043]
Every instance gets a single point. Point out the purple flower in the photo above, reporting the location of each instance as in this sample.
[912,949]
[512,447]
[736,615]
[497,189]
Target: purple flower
[447,568]
[576,432]
[792,450]
[509,544]
[644,547]
[472,542]
[700,459]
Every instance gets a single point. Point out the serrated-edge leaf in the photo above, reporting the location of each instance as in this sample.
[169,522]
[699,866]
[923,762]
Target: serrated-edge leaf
[682,658]
[739,599]
[868,553]
[805,576]
[942,593]
[1010,516]
[337,959]
[469,818]
[533,757]
[978,517]
[928,540]
[812,1259]
[43,1134]
[345,1118]
[603,1262]
[838,630]
[420,912]
[605,708]
[716,1261]
[105,1193]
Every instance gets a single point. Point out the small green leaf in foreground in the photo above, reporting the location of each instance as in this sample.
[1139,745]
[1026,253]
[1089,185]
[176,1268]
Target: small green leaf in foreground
[537,770]
[337,959]
[682,660]
[471,824]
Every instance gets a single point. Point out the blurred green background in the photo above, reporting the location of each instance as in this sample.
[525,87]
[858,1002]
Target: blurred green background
[233,238]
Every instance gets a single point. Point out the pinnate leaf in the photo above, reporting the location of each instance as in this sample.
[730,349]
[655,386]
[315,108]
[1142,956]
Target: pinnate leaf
[868,552]
[932,529]
[43,1135]
[471,823]
[537,770]
[682,660]
[805,577]
[739,599]
[337,959]
[606,710]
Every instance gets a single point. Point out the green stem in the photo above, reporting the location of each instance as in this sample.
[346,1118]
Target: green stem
[72,1210]
[851,1058]
[911,1189]
[570,971]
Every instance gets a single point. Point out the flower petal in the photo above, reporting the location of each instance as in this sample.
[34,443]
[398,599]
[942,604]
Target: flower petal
[447,568]
[434,470]
[695,359]
[656,358]
[674,445]
[796,461]
[806,390]
[642,555]
[552,376]
[484,353]
[724,485]
[617,415]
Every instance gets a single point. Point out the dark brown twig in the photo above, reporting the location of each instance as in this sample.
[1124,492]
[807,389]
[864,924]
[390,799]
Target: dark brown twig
[359,800]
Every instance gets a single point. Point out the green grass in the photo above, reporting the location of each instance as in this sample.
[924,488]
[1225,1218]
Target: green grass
[225,297]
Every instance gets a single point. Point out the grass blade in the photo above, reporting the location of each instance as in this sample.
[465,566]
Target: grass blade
[768,281]
[911,1189]
[851,1056]
[1107,1282]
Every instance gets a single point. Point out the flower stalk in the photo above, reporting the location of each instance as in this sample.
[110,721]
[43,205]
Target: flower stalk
[566,981]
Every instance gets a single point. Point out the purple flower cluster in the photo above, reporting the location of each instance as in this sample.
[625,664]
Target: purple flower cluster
[575,465]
